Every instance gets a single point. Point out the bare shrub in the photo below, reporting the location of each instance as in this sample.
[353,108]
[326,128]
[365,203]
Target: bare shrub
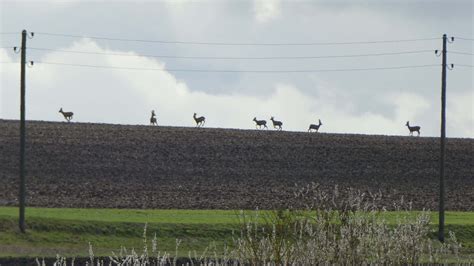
[344,227]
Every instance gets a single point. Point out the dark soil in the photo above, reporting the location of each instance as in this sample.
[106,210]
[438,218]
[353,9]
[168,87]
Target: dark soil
[117,166]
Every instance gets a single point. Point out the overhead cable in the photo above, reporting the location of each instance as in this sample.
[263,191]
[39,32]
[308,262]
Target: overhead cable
[233,58]
[464,53]
[229,43]
[234,71]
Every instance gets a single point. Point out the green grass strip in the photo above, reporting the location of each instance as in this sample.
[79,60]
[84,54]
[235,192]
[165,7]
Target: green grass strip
[68,231]
[185,216]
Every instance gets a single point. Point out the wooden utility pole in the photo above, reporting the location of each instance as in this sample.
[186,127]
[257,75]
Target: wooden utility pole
[22,196]
[443,139]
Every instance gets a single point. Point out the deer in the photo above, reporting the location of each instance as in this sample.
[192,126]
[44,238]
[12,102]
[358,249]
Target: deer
[67,115]
[200,121]
[413,129]
[315,127]
[260,123]
[276,124]
[153,118]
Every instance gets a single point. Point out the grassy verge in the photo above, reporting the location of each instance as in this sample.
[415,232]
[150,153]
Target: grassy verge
[68,231]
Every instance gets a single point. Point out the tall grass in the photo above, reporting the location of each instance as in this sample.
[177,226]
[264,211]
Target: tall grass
[343,227]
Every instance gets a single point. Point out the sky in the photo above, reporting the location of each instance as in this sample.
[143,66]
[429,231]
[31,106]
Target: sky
[363,102]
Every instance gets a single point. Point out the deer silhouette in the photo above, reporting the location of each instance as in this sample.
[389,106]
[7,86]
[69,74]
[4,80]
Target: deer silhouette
[315,127]
[276,124]
[200,121]
[413,129]
[153,118]
[260,123]
[67,115]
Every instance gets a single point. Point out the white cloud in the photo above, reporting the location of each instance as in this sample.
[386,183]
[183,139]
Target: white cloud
[460,114]
[266,10]
[409,106]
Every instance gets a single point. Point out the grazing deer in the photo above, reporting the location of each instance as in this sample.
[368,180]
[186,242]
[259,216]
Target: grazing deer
[153,118]
[413,129]
[67,115]
[200,121]
[315,127]
[260,123]
[276,124]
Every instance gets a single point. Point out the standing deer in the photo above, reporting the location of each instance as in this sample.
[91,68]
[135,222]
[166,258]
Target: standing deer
[260,123]
[200,121]
[276,124]
[67,115]
[153,118]
[315,127]
[413,129]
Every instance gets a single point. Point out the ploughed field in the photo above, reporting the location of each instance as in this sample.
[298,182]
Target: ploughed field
[118,166]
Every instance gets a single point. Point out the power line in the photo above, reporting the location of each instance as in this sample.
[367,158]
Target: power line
[6,33]
[230,44]
[237,71]
[464,53]
[462,38]
[232,58]
[463,65]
